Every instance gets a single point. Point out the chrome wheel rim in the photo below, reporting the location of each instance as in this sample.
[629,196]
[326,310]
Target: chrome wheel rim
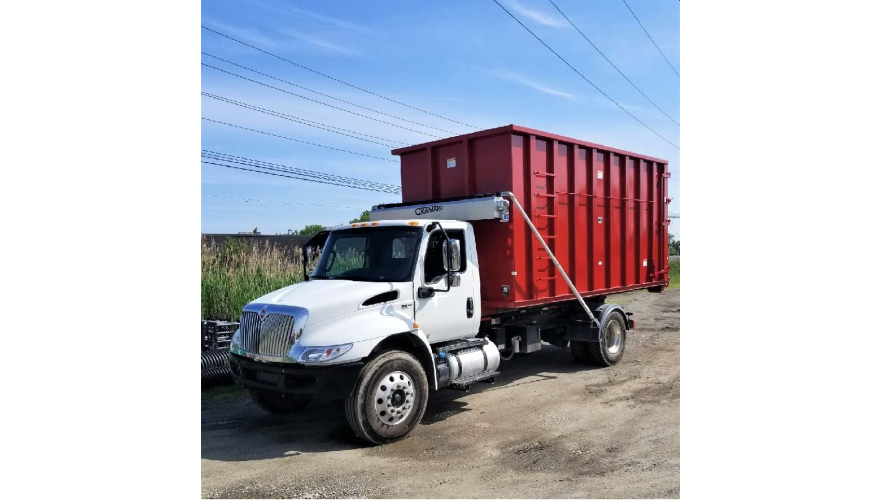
[613,337]
[394,398]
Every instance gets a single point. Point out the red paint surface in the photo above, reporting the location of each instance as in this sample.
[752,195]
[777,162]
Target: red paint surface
[557,180]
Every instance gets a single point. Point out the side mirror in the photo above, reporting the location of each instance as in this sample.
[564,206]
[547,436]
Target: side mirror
[455,245]
[425,292]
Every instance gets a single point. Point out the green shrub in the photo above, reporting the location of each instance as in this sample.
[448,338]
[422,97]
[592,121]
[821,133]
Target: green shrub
[674,273]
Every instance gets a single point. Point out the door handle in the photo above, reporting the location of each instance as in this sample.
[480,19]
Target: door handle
[470,307]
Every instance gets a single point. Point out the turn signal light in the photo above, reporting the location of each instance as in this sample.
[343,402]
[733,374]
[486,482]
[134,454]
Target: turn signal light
[415,326]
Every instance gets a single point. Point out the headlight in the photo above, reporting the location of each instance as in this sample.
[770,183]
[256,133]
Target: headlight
[235,342]
[321,354]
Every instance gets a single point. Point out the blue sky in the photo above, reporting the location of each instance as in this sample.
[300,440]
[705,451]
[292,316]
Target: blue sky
[465,60]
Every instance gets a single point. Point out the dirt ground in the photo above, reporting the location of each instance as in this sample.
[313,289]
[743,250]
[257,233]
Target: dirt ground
[547,428]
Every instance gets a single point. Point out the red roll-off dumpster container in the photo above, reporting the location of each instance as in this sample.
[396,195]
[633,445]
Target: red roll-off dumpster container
[602,211]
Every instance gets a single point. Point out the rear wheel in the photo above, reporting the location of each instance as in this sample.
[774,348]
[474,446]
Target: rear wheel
[579,350]
[388,399]
[280,404]
[612,341]
[609,349]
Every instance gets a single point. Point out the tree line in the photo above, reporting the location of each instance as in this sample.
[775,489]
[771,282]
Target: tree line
[313,229]
[674,245]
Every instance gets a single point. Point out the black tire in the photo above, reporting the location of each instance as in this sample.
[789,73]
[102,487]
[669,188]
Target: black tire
[599,353]
[604,354]
[379,427]
[280,404]
[579,349]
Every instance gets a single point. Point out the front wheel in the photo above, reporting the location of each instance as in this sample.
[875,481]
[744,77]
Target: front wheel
[388,399]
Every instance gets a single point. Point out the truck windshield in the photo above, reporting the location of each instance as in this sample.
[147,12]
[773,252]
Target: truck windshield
[370,254]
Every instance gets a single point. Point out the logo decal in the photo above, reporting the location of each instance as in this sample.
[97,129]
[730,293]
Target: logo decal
[427,210]
[263,314]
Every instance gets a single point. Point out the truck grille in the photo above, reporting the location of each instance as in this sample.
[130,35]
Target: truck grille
[270,337]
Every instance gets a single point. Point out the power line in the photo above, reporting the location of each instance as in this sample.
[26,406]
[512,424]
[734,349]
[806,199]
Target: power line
[318,123]
[319,176]
[336,179]
[292,118]
[329,96]
[320,102]
[275,201]
[275,174]
[337,80]
[299,171]
[297,140]
[582,76]
[611,63]
[652,40]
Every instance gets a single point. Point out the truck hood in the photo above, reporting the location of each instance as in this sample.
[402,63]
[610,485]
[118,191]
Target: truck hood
[328,299]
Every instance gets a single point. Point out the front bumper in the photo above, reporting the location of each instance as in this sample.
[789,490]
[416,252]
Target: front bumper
[322,382]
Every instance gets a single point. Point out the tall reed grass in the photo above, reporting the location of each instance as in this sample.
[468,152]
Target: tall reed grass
[239,271]
[675,273]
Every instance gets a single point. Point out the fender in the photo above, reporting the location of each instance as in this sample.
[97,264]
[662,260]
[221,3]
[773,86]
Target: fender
[425,357]
[583,331]
[414,342]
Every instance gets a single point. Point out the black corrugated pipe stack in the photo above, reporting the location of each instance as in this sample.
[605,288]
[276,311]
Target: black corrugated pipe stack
[215,368]
[218,375]
[215,357]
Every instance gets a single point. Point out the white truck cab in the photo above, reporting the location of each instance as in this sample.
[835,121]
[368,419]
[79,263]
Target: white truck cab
[372,279]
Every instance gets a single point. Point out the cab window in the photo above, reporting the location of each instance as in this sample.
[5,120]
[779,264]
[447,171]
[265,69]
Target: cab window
[434,271]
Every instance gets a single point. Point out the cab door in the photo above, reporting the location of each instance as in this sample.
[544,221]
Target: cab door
[445,315]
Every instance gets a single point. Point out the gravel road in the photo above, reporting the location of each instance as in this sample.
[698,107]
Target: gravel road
[548,428]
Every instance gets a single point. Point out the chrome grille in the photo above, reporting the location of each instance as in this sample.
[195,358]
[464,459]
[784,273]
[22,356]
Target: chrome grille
[270,337]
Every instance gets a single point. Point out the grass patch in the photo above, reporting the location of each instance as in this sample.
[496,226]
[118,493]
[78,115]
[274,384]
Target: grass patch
[239,271]
[675,273]
[223,393]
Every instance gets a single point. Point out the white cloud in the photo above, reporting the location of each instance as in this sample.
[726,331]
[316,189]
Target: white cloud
[246,35]
[506,75]
[314,16]
[320,42]
[537,16]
